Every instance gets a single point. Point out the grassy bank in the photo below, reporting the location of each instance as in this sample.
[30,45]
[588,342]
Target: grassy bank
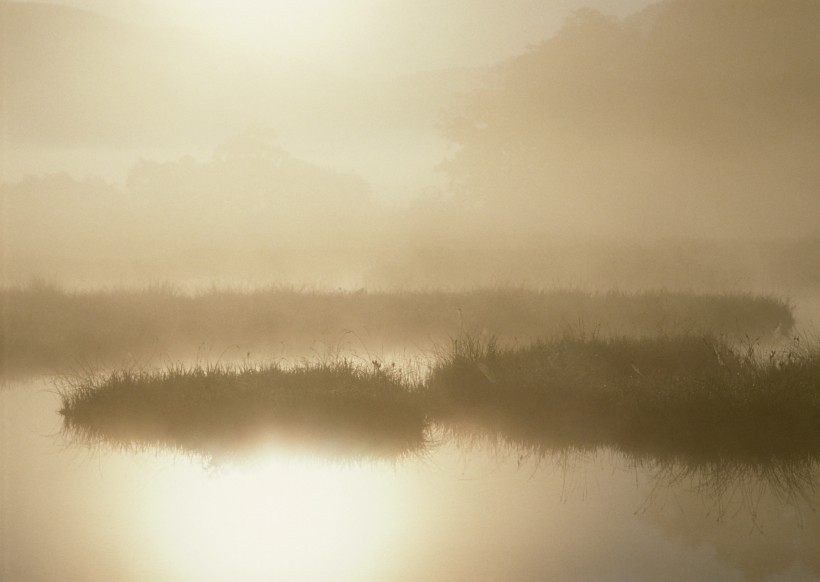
[335,409]
[46,329]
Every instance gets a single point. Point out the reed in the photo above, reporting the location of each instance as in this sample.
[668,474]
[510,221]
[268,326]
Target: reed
[47,329]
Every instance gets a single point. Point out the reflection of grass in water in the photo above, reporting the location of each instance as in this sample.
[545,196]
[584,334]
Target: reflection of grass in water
[732,482]
[690,411]
[327,408]
[726,485]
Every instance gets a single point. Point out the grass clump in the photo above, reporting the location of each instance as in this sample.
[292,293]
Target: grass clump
[327,408]
[685,397]
[683,401]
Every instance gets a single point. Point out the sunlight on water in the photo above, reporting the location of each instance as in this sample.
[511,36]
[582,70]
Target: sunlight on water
[461,511]
[282,517]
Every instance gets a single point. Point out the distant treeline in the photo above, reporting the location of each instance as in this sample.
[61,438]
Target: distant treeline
[691,117]
[46,329]
[687,125]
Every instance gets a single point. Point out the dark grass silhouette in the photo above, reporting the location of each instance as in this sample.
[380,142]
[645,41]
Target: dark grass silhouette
[692,411]
[685,398]
[687,401]
[330,408]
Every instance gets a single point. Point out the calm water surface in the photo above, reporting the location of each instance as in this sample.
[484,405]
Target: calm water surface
[459,512]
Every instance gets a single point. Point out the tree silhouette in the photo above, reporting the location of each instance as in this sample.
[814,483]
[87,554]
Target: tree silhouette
[679,113]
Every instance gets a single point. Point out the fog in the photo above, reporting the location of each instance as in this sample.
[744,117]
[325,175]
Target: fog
[361,37]
[382,290]
[387,142]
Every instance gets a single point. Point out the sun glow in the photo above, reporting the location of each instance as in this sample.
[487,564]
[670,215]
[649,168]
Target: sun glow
[282,518]
[284,24]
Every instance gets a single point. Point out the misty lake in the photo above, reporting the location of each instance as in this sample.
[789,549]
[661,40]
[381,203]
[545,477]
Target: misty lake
[456,512]
[462,509]
[350,290]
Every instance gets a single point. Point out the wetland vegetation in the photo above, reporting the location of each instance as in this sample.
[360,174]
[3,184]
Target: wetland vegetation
[327,408]
[316,296]
[689,401]
[689,396]
[49,329]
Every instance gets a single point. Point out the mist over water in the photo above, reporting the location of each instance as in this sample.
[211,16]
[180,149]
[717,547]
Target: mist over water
[351,289]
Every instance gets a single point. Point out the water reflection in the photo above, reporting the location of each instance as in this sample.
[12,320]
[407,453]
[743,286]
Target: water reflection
[71,513]
[471,507]
[281,518]
[761,535]
[242,448]
[325,409]
[723,478]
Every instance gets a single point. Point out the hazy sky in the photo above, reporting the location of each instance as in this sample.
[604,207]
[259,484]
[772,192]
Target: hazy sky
[362,36]
[685,120]
[696,118]
[356,38]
